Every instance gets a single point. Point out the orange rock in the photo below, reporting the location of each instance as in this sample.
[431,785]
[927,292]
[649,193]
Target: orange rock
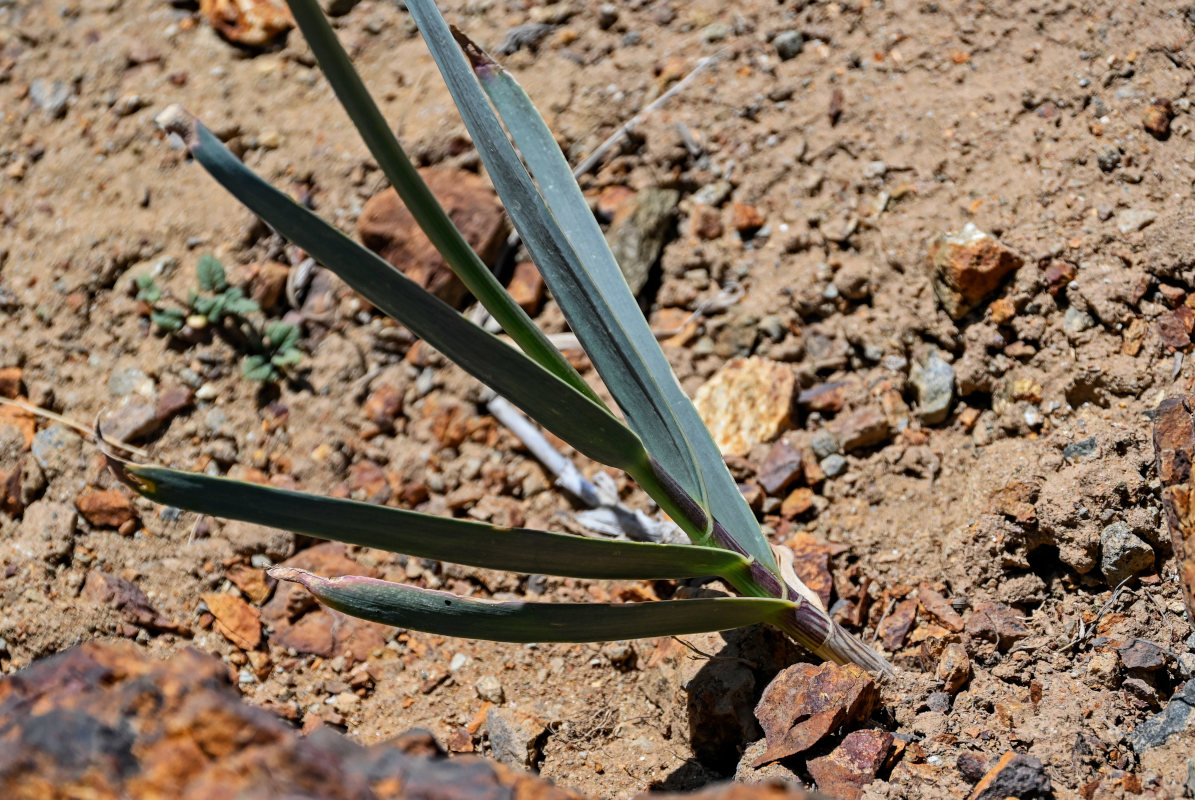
[20,419]
[109,508]
[705,222]
[253,23]
[526,287]
[745,218]
[10,382]
[797,503]
[239,622]
[251,581]
[967,266]
[387,227]
[806,702]
[852,765]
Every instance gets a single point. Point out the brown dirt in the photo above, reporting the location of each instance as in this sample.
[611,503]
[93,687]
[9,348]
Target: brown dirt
[896,122]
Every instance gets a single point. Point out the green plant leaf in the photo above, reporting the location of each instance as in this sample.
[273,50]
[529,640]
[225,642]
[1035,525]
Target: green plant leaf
[599,306]
[425,536]
[555,403]
[168,319]
[147,289]
[287,358]
[282,335]
[258,368]
[655,405]
[211,273]
[419,200]
[517,621]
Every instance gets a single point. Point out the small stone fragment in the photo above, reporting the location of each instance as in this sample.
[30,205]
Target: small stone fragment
[11,385]
[172,401]
[236,620]
[895,627]
[797,503]
[1174,452]
[1014,775]
[866,427]
[54,525]
[1080,450]
[51,97]
[526,287]
[638,232]
[1157,118]
[55,449]
[490,690]
[775,772]
[127,598]
[1176,717]
[971,766]
[811,563]
[788,44]
[940,608]
[933,381]
[705,222]
[131,422]
[1134,219]
[825,398]
[268,285]
[780,468]
[516,737]
[745,219]
[383,406]
[804,703]
[387,227]
[252,23]
[954,668]
[1123,554]
[998,623]
[1142,655]
[747,401]
[832,465]
[852,765]
[109,508]
[251,581]
[967,266]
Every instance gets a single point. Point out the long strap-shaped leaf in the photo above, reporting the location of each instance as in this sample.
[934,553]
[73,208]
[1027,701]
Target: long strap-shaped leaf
[425,536]
[449,615]
[419,200]
[554,403]
[567,204]
[598,314]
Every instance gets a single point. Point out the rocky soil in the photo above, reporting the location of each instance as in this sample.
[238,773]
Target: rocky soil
[940,259]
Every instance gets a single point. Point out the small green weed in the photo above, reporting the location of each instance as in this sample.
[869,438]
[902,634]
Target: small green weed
[270,348]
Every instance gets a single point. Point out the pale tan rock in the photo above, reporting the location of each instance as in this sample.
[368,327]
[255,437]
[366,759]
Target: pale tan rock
[747,401]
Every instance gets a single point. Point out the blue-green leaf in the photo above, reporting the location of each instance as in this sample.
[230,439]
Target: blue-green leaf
[555,403]
[422,535]
[516,621]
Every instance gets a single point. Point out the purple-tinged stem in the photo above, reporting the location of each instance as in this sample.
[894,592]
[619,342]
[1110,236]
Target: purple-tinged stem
[809,624]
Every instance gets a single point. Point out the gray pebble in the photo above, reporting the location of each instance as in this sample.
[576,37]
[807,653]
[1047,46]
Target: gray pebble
[55,449]
[490,689]
[933,381]
[51,96]
[123,382]
[824,443]
[1123,555]
[1134,219]
[833,465]
[789,44]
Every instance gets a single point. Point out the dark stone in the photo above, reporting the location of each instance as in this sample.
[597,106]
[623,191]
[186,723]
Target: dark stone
[1142,655]
[1081,449]
[1173,719]
[1014,775]
[780,468]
